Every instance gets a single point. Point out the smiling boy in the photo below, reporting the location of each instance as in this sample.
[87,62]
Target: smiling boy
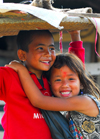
[22,120]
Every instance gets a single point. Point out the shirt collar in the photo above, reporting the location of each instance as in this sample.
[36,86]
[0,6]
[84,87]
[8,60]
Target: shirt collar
[34,77]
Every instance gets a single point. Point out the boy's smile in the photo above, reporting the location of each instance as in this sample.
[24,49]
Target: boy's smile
[41,54]
[64,82]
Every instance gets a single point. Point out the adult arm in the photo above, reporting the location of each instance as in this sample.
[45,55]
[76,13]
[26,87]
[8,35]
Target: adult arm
[76,45]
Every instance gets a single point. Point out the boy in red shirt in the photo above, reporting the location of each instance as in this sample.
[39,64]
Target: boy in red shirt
[36,49]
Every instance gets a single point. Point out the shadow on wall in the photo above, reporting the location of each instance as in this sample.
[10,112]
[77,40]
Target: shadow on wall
[8,49]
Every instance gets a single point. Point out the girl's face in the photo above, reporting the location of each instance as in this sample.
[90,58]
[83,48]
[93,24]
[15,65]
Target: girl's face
[64,82]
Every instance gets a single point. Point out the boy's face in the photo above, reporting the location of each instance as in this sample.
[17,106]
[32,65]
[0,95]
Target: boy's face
[41,54]
[64,82]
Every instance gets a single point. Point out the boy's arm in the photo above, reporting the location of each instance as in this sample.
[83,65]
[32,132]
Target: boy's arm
[82,104]
[77,45]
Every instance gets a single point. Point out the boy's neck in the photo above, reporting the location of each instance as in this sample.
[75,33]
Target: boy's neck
[37,73]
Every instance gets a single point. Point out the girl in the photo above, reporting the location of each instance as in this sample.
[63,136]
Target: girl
[75,92]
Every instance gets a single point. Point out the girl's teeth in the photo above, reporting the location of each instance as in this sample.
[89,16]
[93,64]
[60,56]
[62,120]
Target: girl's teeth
[65,92]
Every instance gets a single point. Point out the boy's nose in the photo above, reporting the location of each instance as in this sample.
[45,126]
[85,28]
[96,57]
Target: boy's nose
[47,52]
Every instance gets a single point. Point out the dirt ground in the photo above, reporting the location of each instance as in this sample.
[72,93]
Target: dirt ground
[1,135]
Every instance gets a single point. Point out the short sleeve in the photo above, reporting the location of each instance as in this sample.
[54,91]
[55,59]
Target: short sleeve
[5,82]
[96,101]
[1,83]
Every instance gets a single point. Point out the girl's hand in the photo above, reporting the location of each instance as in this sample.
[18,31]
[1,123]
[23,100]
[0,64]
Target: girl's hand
[15,65]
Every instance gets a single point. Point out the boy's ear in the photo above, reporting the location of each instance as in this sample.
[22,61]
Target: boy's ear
[21,55]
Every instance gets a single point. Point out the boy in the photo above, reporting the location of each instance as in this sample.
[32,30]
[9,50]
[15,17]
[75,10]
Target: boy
[21,120]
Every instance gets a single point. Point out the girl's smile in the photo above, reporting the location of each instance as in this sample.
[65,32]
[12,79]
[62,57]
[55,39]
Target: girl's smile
[65,93]
[64,82]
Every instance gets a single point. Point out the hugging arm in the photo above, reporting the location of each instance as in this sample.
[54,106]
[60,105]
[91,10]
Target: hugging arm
[82,104]
[77,103]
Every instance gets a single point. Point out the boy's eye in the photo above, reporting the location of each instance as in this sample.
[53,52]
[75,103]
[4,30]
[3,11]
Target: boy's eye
[52,48]
[40,48]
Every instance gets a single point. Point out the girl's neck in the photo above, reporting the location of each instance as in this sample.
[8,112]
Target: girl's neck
[68,115]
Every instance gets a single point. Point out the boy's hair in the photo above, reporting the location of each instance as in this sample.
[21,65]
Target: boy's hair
[76,65]
[25,37]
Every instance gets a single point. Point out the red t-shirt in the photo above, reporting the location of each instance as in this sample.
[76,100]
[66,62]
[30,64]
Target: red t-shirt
[21,120]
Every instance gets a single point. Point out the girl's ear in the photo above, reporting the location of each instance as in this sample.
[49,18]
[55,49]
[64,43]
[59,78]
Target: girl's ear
[21,55]
[81,86]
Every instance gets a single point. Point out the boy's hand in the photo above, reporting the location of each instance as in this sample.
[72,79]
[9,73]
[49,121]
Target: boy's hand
[75,35]
[15,65]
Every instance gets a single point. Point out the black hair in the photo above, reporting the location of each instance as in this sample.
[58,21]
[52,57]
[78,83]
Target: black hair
[25,37]
[76,65]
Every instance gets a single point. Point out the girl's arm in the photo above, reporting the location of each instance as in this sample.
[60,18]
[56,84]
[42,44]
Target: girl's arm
[81,104]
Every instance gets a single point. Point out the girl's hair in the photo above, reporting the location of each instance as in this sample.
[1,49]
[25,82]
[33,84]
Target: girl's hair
[25,37]
[76,65]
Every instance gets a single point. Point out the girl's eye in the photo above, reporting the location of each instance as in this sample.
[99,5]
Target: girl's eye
[71,79]
[57,80]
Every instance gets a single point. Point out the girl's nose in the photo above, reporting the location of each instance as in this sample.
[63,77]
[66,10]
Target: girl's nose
[65,84]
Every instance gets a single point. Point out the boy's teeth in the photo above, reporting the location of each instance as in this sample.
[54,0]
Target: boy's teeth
[46,61]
